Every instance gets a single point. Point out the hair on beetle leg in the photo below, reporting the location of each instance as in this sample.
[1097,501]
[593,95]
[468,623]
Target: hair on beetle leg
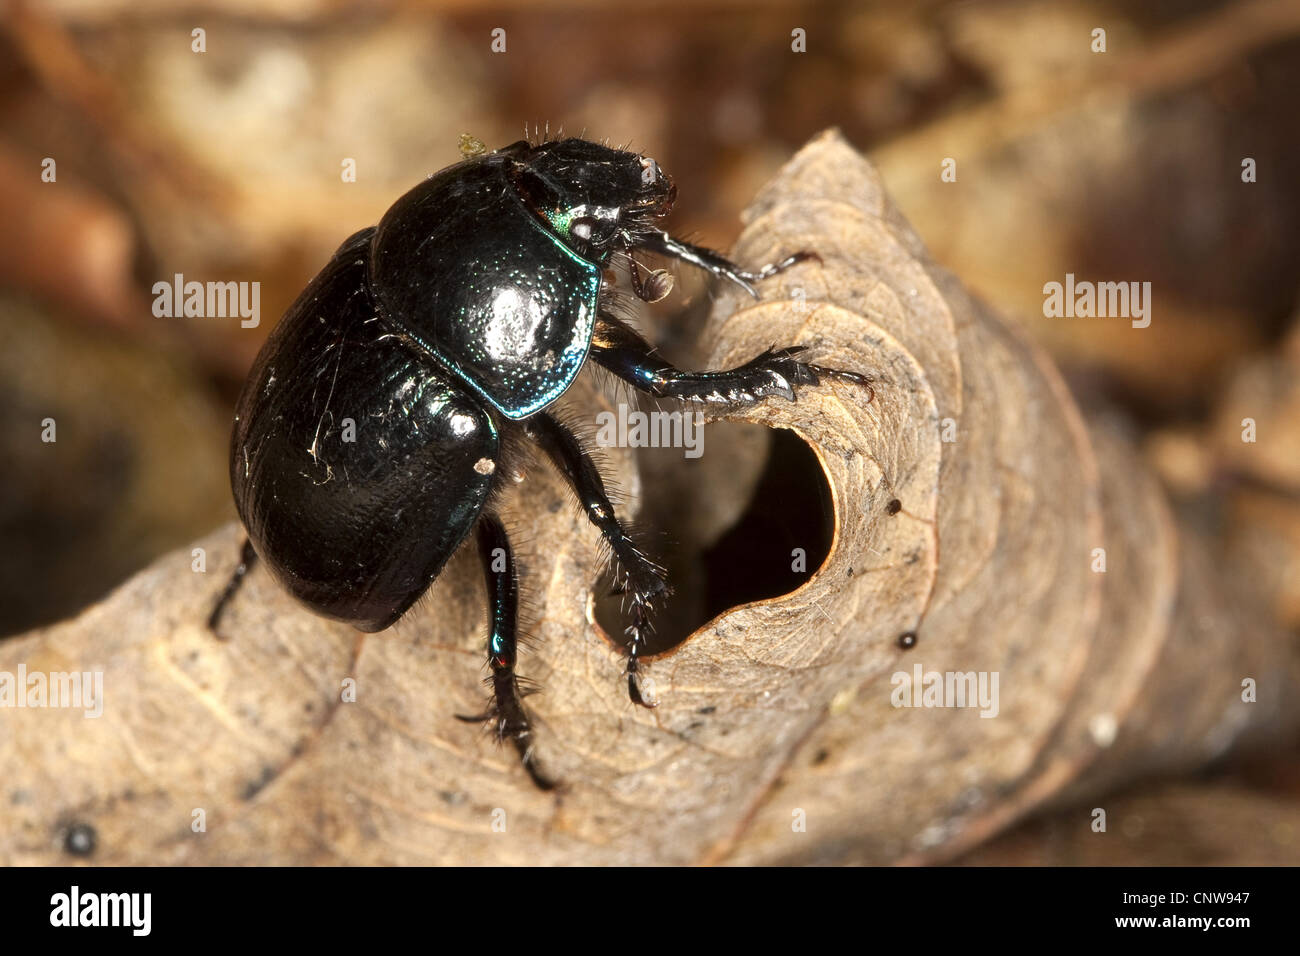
[490,716]
[643,579]
[506,715]
[507,724]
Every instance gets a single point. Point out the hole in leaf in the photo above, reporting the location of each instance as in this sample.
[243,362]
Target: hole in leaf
[750,519]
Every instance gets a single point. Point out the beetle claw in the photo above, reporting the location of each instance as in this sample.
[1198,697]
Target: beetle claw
[634,692]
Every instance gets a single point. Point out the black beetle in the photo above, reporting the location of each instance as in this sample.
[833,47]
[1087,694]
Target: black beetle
[444,332]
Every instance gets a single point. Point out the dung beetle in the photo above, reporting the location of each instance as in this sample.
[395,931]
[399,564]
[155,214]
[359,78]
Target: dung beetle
[444,333]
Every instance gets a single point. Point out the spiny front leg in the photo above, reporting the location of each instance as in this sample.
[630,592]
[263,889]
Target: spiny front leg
[715,263]
[506,710]
[618,347]
[642,580]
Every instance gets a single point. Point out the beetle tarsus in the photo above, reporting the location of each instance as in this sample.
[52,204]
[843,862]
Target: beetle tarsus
[715,263]
[505,713]
[638,631]
[634,692]
[509,722]
[775,268]
[851,378]
[247,558]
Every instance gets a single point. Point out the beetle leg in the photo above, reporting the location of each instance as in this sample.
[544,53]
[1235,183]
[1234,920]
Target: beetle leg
[715,263]
[506,709]
[247,558]
[642,580]
[620,349]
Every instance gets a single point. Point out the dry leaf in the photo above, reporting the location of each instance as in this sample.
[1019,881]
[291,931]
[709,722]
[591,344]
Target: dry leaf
[776,712]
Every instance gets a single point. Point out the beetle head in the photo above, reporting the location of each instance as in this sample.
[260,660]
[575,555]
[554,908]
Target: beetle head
[595,198]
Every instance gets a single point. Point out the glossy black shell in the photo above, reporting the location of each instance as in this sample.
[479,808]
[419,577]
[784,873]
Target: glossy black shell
[479,280]
[356,529]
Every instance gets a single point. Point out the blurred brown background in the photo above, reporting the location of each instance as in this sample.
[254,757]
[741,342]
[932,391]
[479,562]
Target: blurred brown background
[225,165]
